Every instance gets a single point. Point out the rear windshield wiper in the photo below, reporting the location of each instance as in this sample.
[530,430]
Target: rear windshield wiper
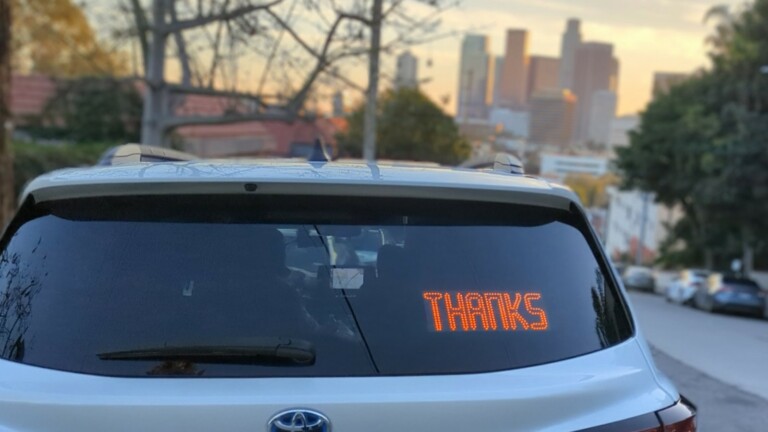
[267,351]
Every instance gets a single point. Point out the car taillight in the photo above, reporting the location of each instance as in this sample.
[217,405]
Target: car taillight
[680,417]
[725,289]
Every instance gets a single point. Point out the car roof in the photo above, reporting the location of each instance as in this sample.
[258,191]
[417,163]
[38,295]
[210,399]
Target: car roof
[298,178]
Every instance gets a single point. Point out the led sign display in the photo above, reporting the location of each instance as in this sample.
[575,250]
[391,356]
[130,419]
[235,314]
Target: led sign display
[488,311]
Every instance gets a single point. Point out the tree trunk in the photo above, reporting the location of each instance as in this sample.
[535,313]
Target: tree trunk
[369,126]
[152,120]
[7,196]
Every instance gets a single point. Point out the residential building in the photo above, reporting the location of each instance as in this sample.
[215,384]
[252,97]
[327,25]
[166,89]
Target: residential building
[635,222]
[29,95]
[602,110]
[663,81]
[514,82]
[543,74]
[595,69]
[558,166]
[407,73]
[570,43]
[475,78]
[551,118]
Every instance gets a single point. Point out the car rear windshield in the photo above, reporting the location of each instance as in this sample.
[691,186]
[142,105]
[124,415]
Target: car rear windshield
[742,282]
[265,286]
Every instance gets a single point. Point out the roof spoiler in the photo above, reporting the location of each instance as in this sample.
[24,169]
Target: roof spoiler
[128,154]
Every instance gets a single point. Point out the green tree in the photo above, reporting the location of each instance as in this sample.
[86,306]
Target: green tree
[410,127]
[92,110]
[703,147]
[6,154]
[592,191]
[54,37]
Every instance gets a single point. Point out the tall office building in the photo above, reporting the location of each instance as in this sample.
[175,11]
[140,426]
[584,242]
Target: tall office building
[498,73]
[338,104]
[601,114]
[570,43]
[475,78]
[663,81]
[595,69]
[543,73]
[514,83]
[551,117]
[406,75]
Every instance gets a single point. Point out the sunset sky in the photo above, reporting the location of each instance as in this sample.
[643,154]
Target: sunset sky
[648,36]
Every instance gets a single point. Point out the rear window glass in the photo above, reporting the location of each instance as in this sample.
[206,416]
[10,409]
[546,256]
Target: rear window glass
[740,282]
[263,286]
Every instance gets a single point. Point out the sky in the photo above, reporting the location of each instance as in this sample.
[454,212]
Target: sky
[648,36]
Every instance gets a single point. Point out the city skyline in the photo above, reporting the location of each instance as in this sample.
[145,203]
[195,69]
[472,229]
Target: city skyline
[590,67]
[634,29]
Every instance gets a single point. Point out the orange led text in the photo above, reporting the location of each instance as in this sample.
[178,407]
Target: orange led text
[474,311]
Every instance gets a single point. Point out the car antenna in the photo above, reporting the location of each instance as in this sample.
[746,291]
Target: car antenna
[319,152]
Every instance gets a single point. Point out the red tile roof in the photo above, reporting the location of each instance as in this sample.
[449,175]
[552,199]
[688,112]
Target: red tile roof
[30,93]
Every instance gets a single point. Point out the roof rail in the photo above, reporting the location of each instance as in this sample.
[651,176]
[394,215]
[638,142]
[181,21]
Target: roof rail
[128,154]
[508,164]
[499,162]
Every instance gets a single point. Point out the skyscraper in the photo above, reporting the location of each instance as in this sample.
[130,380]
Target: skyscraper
[498,73]
[514,83]
[551,119]
[338,104]
[570,43]
[543,73]
[475,78]
[601,113]
[406,75]
[663,81]
[595,69]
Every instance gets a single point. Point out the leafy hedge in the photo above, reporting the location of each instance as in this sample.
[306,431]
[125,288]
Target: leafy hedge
[32,160]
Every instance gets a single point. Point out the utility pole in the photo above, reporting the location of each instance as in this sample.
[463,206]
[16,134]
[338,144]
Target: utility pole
[645,196]
[7,195]
[369,127]
[151,122]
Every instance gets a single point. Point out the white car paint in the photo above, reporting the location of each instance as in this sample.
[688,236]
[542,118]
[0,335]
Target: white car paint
[290,177]
[590,390]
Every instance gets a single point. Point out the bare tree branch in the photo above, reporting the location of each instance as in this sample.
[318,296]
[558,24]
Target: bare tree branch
[181,47]
[223,16]
[205,91]
[142,27]
[276,115]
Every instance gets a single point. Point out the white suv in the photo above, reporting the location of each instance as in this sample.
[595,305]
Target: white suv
[206,296]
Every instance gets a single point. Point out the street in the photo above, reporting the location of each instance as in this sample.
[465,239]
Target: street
[718,361]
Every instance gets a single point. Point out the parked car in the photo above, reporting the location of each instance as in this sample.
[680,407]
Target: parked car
[685,284]
[203,296]
[724,293]
[639,278]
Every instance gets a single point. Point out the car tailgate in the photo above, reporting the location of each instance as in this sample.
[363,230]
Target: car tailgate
[586,391]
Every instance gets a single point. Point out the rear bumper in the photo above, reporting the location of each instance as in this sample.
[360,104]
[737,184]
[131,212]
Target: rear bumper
[682,413]
[601,388]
